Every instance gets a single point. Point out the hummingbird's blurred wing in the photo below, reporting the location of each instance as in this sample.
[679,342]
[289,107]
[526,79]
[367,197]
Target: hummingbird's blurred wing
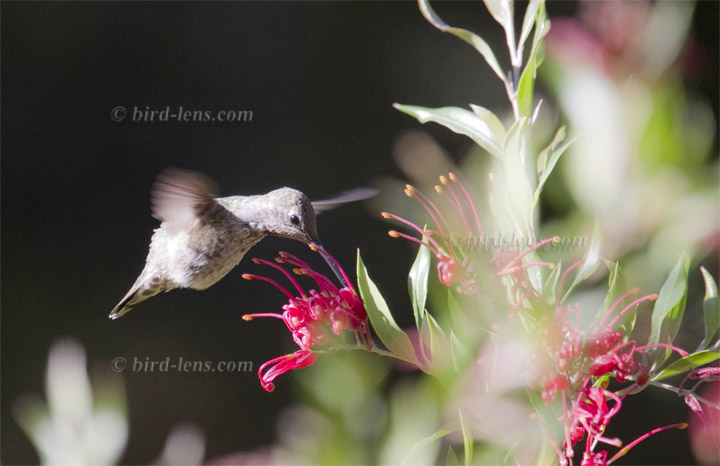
[181,197]
[357,194]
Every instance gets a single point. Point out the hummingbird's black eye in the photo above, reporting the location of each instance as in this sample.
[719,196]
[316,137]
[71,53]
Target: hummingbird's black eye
[294,219]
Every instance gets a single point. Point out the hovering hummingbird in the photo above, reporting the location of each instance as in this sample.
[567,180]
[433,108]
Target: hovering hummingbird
[202,237]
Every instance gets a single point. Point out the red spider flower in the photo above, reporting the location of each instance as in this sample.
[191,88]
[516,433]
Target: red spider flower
[579,357]
[595,459]
[592,412]
[314,317]
[454,264]
[282,364]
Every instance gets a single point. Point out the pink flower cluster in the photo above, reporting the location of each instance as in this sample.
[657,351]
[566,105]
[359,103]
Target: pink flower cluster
[577,358]
[313,318]
[457,265]
[454,265]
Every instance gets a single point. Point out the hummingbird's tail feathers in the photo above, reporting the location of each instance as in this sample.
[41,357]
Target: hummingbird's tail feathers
[134,297]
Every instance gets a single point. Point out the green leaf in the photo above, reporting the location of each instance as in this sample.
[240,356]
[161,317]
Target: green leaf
[549,418]
[688,362]
[481,129]
[542,27]
[617,287]
[493,122]
[473,39]
[440,360]
[550,287]
[711,309]
[515,184]
[381,319]
[418,283]
[669,309]
[502,11]
[542,159]
[592,261]
[536,275]
[425,442]
[438,340]
[451,458]
[526,85]
[467,439]
[549,157]
[531,13]
[460,354]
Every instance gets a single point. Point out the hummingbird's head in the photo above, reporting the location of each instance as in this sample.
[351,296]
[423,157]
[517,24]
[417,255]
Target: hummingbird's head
[291,215]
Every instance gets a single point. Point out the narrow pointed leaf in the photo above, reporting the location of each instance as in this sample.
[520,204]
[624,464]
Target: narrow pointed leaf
[516,188]
[467,439]
[542,28]
[536,275]
[683,365]
[544,157]
[549,157]
[617,286]
[380,317]
[547,454]
[550,287]
[711,309]
[430,439]
[418,283]
[460,354]
[526,88]
[473,39]
[592,261]
[493,122]
[526,85]
[502,11]
[536,112]
[461,121]
[451,458]
[440,347]
[530,14]
[669,309]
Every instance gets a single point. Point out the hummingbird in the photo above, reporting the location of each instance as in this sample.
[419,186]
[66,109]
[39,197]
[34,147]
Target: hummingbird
[202,237]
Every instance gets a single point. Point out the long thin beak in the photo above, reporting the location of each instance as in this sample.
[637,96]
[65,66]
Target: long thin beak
[332,265]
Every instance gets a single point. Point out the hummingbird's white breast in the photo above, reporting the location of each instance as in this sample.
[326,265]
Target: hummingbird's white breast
[200,256]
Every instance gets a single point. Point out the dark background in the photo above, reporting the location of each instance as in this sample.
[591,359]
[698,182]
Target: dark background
[320,79]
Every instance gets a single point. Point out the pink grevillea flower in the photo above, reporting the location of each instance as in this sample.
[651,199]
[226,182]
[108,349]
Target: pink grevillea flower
[578,357]
[454,264]
[692,399]
[457,265]
[595,459]
[591,414]
[282,364]
[557,383]
[591,411]
[314,317]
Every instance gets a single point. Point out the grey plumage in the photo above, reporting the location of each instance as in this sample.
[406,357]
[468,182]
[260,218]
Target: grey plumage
[202,237]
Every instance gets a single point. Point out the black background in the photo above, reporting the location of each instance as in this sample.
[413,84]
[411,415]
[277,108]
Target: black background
[320,79]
